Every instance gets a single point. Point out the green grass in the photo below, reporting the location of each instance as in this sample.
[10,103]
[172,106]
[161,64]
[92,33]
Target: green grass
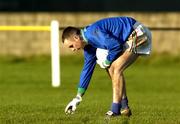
[26,95]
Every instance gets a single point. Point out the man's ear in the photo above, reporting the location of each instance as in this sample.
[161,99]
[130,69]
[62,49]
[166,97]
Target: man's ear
[76,37]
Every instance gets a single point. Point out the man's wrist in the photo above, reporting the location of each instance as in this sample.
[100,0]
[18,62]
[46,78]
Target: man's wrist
[79,97]
[81,91]
[107,62]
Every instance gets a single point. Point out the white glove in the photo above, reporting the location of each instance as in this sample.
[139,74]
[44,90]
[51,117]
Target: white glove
[71,107]
[102,64]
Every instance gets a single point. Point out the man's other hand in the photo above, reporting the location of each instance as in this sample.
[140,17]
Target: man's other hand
[71,107]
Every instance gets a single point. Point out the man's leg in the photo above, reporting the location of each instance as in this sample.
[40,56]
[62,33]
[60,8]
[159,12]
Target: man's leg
[125,110]
[124,101]
[118,83]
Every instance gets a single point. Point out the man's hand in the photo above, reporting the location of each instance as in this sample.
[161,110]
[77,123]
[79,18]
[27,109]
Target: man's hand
[71,107]
[103,64]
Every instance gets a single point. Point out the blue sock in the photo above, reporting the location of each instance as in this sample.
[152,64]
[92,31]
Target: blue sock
[115,108]
[124,103]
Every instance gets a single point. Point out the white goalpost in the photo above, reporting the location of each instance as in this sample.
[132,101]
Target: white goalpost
[55,63]
[55,52]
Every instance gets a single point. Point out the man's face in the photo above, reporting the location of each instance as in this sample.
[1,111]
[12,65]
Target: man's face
[74,43]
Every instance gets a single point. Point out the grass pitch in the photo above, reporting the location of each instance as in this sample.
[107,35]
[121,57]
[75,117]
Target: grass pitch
[26,95]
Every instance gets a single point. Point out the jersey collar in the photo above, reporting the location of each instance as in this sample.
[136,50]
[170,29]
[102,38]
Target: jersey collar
[83,35]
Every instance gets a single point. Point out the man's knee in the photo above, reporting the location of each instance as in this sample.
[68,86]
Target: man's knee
[117,68]
[110,70]
[121,63]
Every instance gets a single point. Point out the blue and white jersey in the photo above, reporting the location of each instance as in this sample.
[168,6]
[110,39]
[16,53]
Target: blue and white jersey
[108,33]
